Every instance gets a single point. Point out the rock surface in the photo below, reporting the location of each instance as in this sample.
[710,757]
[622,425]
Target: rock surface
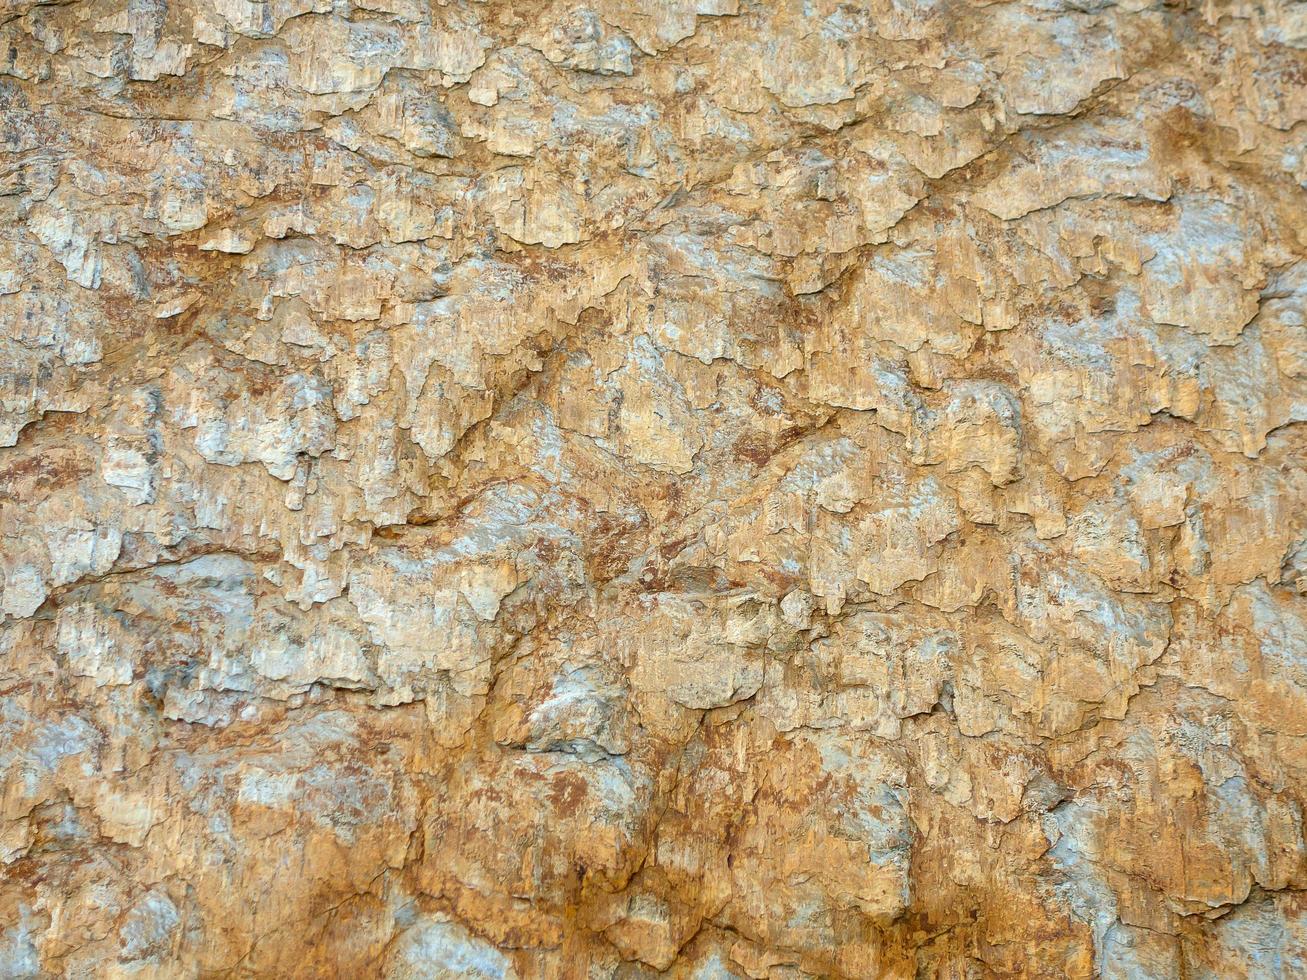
[731,488]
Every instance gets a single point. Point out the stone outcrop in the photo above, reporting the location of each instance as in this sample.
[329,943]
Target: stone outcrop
[708,488]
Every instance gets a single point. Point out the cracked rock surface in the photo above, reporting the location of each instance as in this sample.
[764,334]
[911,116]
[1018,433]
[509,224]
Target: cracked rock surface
[706,488]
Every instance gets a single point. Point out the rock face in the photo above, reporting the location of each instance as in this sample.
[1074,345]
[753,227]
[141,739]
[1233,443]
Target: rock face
[514,488]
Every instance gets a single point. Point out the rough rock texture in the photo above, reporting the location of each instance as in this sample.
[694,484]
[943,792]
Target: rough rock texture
[732,488]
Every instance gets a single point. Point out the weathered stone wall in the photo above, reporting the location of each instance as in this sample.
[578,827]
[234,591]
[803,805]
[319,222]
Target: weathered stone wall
[728,487]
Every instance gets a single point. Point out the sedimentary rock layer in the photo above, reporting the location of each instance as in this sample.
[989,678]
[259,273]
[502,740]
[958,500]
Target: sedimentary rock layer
[711,488]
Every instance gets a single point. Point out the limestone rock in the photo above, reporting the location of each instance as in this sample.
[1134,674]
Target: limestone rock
[689,488]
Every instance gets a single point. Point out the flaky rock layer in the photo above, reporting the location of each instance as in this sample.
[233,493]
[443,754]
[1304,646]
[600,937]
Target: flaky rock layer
[711,488]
